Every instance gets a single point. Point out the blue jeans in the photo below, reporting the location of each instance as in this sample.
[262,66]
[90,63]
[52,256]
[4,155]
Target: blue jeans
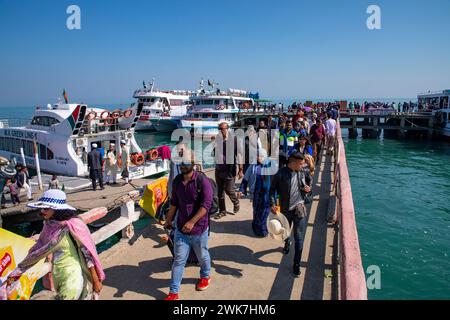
[299,230]
[182,246]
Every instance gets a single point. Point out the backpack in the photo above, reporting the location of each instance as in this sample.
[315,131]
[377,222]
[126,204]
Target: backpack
[198,183]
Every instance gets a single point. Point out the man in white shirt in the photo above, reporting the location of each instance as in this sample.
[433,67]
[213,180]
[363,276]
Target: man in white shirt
[330,126]
[111,164]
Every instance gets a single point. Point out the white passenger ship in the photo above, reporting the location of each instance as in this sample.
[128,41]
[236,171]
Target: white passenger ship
[210,108]
[439,101]
[64,133]
[162,109]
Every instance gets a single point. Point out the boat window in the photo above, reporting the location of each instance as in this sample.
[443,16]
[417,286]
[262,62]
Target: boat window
[42,152]
[215,116]
[49,154]
[204,116]
[208,101]
[176,102]
[44,121]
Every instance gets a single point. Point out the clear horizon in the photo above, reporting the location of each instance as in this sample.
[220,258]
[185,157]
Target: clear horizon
[297,48]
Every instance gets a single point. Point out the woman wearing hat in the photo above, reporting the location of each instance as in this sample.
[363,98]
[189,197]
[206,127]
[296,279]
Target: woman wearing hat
[257,178]
[77,272]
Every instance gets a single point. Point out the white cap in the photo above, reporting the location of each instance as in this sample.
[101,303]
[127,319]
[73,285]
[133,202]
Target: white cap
[94,145]
[123,142]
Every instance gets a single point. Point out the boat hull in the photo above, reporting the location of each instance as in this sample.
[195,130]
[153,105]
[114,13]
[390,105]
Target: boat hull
[144,126]
[164,125]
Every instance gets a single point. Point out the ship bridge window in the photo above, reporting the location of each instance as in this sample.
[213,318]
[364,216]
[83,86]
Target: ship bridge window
[44,121]
[176,102]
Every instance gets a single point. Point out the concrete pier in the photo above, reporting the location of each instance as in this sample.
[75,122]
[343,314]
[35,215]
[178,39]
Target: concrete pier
[244,266]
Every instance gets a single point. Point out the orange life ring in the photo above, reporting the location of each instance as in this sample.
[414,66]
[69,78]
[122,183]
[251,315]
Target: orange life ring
[127,113]
[91,115]
[115,114]
[104,115]
[220,107]
[137,158]
[152,154]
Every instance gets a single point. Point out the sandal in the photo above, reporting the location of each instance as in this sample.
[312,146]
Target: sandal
[220,216]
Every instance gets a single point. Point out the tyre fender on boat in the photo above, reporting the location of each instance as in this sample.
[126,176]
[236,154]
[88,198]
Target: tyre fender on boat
[115,114]
[138,159]
[152,154]
[127,113]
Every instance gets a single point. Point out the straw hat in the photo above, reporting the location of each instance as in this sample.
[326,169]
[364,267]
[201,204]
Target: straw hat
[52,199]
[278,226]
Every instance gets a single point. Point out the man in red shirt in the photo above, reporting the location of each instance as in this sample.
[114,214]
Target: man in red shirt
[317,133]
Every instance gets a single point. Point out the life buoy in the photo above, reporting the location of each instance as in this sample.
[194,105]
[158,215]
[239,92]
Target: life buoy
[127,113]
[152,154]
[220,107]
[91,115]
[115,114]
[137,158]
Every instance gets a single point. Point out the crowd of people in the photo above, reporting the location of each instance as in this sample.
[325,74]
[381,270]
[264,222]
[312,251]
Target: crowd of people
[279,189]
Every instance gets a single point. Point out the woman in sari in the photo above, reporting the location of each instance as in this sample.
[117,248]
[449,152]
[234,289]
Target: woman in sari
[77,272]
[257,179]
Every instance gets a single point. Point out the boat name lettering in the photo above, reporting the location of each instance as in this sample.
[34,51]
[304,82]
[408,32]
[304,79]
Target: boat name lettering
[19,134]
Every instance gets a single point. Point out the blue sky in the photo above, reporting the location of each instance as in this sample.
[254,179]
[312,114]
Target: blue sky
[283,49]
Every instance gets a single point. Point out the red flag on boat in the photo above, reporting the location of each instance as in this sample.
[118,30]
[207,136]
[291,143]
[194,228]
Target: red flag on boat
[66,98]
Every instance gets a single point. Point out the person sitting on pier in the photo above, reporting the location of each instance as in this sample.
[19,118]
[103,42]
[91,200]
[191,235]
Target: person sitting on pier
[291,184]
[76,268]
[191,199]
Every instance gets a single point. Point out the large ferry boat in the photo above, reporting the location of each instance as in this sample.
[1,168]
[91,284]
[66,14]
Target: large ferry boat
[210,108]
[62,135]
[162,109]
[439,103]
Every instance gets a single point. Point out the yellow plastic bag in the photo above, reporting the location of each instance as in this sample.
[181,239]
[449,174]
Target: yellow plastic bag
[13,249]
[154,195]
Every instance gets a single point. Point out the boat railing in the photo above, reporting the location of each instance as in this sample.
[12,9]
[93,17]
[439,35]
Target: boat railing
[14,122]
[352,281]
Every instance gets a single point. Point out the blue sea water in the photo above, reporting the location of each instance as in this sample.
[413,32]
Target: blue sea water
[401,193]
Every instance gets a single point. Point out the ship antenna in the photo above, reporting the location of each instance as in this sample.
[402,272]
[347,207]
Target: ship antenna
[152,84]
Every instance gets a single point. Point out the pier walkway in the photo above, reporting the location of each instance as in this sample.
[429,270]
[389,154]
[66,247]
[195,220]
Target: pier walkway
[243,266]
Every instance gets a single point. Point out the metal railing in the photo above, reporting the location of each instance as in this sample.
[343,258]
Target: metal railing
[352,281]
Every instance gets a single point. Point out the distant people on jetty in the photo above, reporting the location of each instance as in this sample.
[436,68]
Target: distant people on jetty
[227,168]
[191,199]
[125,161]
[289,189]
[53,183]
[23,180]
[77,272]
[111,165]
[95,166]
[11,185]
[330,125]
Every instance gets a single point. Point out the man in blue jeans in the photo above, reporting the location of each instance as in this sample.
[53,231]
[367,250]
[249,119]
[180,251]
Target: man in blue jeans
[192,197]
[290,184]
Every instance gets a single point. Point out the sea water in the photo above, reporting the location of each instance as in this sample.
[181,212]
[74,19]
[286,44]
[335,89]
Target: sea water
[401,193]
